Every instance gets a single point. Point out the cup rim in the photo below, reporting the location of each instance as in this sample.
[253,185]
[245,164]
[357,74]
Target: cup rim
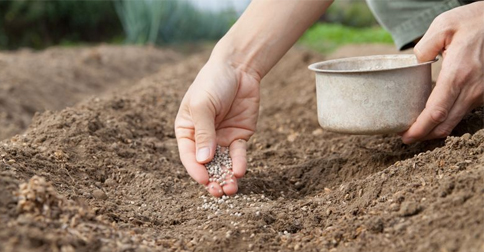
[316,67]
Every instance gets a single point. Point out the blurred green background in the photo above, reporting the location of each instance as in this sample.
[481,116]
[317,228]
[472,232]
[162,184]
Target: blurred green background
[40,24]
[345,22]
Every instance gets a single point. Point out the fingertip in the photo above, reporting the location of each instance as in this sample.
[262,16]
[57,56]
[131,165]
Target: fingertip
[423,56]
[215,189]
[418,53]
[231,187]
[204,155]
[408,140]
[422,127]
[409,136]
[240,167]
[430,45]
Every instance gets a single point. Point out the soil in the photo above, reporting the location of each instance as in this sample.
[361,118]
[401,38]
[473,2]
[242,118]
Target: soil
[104,175]
[53,79]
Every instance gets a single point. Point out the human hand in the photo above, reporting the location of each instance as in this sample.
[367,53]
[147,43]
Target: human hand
[459,35]
[220,107]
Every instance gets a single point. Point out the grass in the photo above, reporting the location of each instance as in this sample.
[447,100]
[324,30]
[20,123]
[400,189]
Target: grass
[326,37]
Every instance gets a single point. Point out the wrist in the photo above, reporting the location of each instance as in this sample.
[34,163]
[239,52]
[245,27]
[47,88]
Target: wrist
[259,38]
[241,56]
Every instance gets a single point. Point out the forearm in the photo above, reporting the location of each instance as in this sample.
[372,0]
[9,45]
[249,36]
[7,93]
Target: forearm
[266,31]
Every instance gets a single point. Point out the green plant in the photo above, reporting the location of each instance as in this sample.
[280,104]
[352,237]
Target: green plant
[162,22]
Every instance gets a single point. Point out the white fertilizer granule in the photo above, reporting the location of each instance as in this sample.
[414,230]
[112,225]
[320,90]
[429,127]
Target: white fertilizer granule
[220,168]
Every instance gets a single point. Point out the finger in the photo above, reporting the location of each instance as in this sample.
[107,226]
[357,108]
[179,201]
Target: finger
[437,108]
[231,187]
[202,112]
[197,171]
[238,150]
[463,105]
[432,43]
[215,189]
[238,153]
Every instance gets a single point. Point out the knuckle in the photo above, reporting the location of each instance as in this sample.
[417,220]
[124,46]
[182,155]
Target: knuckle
[438,115]
[205,101]
[442,19]
[180,133]
[196,103]
[477,97]
[203,136]
[463,75]
[443,23]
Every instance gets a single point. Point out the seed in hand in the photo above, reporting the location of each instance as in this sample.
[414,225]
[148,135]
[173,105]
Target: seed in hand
[220,168]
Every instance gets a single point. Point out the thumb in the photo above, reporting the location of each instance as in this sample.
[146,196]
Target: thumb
[431,44]
[203,116]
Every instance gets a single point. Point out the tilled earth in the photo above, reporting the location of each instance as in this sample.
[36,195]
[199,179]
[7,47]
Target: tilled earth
[104,175]
[59,77]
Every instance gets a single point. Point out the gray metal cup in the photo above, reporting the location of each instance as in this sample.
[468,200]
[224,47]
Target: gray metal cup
[371,95]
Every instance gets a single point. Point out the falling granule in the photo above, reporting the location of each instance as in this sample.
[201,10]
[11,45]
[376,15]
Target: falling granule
[220,168]
[233,206]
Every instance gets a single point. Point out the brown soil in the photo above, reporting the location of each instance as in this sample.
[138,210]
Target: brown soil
[59,77]
[109,179]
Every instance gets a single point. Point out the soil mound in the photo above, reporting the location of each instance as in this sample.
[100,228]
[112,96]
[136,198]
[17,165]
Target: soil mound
[108,172]
[60,77]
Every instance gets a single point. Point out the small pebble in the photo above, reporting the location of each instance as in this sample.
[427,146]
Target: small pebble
[409,209]
[394,207]
[99,194]
[110,182]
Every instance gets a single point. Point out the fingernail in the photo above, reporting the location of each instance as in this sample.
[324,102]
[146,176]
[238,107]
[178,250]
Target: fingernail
[202,154]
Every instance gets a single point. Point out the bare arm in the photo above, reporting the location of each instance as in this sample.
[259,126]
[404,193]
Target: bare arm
[266,31]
